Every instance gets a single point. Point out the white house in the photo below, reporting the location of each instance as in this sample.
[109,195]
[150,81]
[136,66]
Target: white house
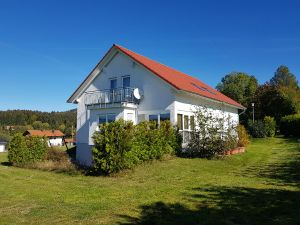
[130,86]
[3,146]
[55,137]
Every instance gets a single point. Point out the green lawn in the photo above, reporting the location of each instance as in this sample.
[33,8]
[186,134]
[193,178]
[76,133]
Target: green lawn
[259,187]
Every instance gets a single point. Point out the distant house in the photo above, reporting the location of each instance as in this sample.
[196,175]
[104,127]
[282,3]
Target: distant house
[70,141]
[126,85]
[55,137]
[2,146]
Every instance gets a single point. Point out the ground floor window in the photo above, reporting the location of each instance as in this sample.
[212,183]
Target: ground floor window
[185,122]
[179,121]
[107,118]
[153,118]
[164,116]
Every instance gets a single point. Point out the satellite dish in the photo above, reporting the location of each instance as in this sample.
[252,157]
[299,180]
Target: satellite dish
[138,94]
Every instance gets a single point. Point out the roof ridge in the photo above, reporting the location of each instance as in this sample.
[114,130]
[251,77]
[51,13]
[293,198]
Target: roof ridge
[120,47]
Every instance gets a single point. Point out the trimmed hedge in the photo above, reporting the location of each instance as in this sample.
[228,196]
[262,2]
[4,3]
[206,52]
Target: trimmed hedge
[26,150]
[290,125]
[121,145]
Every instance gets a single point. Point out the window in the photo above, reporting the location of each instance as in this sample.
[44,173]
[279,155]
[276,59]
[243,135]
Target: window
[179,121]
[102,119]
[164,116]
[113,84]
[111,117]
[203,88]
[153,118]
[126,82]
[186,122]
[107,118]
[192,122]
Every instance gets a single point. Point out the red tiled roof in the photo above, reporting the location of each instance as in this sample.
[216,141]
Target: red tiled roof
[42,133]
[70,140]
[179,80]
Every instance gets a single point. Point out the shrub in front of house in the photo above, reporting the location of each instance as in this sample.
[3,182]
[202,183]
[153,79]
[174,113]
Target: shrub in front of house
[121,145]
[243,136]
[23,151]
[212,136]
[113,144]
[290,125]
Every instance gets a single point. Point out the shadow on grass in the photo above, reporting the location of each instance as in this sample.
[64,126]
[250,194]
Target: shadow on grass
[224,205]
[286,170]
[6,164]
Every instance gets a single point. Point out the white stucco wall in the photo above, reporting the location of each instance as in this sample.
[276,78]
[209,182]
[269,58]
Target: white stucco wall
[186,104]
[2,148]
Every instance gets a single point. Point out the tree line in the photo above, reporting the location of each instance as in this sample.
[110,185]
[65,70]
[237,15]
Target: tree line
[278,97]
[14,121]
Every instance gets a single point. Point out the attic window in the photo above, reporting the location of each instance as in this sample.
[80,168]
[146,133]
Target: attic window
[203,88]
[212,92]
[197,86]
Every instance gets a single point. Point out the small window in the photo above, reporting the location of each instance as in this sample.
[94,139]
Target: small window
[113,84]
[111,117]
[153,118]
[164,116]
[102,119]
[179,121]
[126,82]
[192,122]
[186,122]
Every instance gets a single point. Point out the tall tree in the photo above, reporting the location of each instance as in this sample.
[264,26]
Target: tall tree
[239,86]
[284,78]
[271,101]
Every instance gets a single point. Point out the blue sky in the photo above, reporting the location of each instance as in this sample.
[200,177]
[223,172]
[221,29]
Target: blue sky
[48,47]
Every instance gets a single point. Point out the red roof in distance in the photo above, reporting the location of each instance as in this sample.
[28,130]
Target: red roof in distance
[179,80]
[44,133]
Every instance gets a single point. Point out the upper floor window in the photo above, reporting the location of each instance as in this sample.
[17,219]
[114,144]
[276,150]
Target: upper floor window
[126,81]
[113,83]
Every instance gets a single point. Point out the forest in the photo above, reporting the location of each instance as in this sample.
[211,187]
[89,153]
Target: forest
[14,121]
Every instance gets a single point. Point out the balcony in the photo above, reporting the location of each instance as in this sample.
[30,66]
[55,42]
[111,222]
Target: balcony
[110,97]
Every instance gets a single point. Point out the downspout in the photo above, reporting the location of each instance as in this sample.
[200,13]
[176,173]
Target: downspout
[243,111]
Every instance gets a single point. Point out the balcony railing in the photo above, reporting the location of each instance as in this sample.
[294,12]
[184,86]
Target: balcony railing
[110,96]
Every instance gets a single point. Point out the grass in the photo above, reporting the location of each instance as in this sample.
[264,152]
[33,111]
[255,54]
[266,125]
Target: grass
[261,186]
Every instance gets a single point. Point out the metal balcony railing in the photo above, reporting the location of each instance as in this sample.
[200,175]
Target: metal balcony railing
[110,96]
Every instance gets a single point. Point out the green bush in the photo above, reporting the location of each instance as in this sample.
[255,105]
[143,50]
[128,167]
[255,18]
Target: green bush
[26,150]
[270,126]
[256,129]
[121,145]
[290,125]
[243,136]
